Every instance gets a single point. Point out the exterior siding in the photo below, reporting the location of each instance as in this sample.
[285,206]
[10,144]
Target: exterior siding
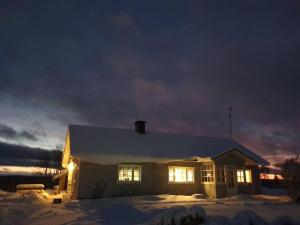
[163,186]
[255,188]
[221,190]
[94,181]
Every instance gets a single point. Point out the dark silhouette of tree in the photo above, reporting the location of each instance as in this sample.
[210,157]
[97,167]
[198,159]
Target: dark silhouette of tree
[46,159]
[56,157]
[291,174]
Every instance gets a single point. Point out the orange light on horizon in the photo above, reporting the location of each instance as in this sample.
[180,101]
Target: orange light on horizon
[270,176]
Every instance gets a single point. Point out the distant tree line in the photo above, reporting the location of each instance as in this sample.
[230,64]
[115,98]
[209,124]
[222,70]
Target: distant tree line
[48,159]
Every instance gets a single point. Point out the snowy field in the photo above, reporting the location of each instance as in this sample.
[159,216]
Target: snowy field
[17,209]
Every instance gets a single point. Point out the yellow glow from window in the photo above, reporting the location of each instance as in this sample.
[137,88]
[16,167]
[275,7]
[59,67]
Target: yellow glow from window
[129,173]
[71,166]
[240,176]
[180,174]
[248,176]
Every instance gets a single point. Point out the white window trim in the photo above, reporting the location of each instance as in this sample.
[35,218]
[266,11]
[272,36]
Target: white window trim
[214,170]
[130,181]
[183,182]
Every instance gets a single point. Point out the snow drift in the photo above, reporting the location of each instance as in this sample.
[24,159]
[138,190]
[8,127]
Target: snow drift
[180,215]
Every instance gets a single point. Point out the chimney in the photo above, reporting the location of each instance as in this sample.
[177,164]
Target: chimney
[140,126]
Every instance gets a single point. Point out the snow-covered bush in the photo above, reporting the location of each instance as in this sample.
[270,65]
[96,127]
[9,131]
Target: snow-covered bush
[284,220]
[180,215]
[291,173]
[247,217]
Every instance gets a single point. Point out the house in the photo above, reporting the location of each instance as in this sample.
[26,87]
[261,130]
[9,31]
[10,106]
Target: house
[107,162]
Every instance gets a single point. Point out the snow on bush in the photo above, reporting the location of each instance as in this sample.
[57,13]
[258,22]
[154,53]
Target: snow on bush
[219,220]
[247,217]
[180,215]
[2,192]
[284,220]
[197,210]
[30,187]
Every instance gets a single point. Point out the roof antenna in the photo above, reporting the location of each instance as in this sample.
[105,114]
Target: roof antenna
[230,129]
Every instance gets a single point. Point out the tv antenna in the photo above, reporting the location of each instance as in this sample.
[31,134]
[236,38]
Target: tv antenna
[230,128]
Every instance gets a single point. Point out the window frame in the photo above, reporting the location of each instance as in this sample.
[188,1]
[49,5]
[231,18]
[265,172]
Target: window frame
[213,171]
[132,167]
[182,182]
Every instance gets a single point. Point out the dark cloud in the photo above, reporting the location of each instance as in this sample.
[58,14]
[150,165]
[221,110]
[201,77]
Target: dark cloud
[10,133]
[178,65]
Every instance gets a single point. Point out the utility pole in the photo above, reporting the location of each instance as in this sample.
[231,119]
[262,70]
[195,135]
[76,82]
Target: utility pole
[230,129]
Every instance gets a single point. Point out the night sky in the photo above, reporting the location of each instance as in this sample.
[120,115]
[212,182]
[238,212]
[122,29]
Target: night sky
[177,64]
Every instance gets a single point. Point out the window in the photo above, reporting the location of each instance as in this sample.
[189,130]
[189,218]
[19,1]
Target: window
[240,176]
[248,176]
[220,173]
[180,174]
[129,173]
[208,173]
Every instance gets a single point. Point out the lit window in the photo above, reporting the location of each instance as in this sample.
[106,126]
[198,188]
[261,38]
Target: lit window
[208,174]
[129,173]
[220,173]
[181,174]
[240,176]
[248,176]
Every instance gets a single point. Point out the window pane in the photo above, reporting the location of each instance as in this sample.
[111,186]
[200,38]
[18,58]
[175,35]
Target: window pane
[248,176]
[181,174]
[136,174]
[240,176]
[129,173]
[208,173]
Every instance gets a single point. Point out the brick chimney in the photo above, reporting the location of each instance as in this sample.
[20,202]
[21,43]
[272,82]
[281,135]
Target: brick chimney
[140,126]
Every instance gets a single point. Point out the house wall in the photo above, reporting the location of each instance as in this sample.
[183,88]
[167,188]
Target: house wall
[228,160]
[234,160]
[102,180]
[66,152]
[255,188]
[163,186]
[221,190]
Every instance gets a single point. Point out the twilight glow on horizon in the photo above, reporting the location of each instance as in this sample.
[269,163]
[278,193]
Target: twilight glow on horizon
[177,64]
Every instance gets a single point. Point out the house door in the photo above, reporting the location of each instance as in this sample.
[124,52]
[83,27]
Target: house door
[231,184]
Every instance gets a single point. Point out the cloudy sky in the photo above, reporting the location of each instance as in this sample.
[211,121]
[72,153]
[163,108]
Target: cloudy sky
[177,64]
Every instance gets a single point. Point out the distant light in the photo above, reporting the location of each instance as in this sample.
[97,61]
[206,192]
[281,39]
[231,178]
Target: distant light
[270,176]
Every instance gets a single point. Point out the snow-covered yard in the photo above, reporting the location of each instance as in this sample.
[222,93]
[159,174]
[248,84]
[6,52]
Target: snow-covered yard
[17,209]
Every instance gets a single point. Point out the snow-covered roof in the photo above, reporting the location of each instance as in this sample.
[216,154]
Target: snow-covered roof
[113,145]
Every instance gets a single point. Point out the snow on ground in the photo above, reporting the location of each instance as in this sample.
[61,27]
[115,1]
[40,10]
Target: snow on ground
[27,209]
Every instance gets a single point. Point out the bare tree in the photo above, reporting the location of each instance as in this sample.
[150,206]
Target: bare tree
[56,158]
[46,160]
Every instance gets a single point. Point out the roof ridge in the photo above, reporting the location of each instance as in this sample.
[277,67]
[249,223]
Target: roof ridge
[154,132]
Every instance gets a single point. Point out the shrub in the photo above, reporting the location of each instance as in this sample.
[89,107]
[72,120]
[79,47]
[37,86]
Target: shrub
[291,173]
